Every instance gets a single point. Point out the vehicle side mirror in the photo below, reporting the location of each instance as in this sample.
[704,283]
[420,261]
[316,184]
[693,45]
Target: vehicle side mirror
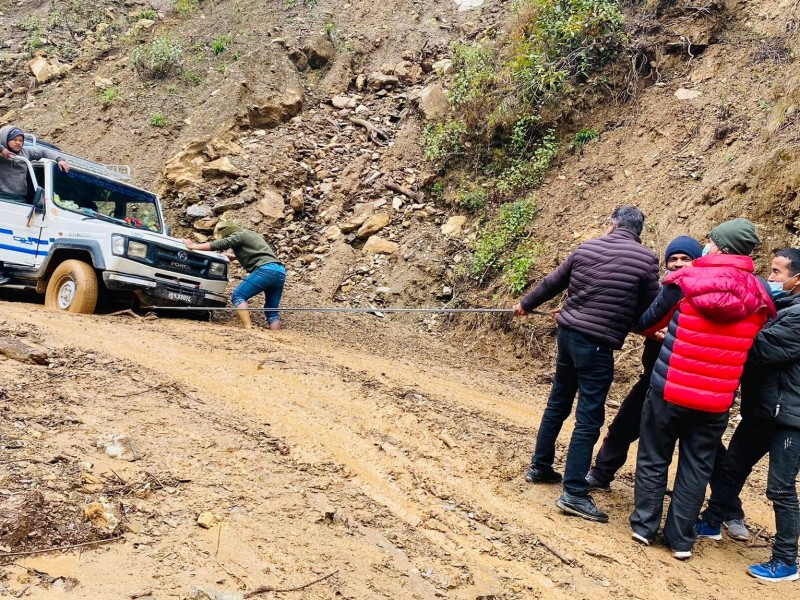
[38,200]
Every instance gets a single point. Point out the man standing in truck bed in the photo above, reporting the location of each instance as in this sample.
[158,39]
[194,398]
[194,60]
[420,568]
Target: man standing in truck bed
[610,280]
[14,173]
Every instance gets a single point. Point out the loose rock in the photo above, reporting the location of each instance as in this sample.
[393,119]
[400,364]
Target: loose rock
[271,204]
[297,201]
[454,225]
[378,245]
[198,211]
[103,515]
[226,205]
[121,447]
[222,167]
[207,520]
[373,225]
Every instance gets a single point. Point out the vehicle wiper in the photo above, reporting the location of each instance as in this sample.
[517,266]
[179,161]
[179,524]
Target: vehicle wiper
[101,217]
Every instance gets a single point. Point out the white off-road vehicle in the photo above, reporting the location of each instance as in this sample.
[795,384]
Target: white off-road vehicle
[87,234]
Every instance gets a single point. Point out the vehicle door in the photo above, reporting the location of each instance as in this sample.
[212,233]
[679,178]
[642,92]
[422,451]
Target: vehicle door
[21,228]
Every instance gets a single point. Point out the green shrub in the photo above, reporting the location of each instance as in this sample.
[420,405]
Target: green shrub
[219,45]
[527,172]
[496,245]
[30,23]
[158,59]
[516,271]
[444,141]
[563,40]
[157,120]
[473,72]
[108,95]
[149,14]
[184,7]
[472,199]
[583,137]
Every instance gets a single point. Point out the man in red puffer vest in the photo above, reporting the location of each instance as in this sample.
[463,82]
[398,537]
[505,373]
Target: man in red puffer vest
[714,310]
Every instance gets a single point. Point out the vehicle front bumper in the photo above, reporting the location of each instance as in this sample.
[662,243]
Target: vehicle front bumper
[162,293]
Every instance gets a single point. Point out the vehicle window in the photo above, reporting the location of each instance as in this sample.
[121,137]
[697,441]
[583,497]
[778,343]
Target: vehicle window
[28,197]
[84,193]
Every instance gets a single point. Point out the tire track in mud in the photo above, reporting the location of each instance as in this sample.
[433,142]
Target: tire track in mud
[443,454]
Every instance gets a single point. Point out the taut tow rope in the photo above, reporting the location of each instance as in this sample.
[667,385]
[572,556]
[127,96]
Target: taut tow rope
[349,310]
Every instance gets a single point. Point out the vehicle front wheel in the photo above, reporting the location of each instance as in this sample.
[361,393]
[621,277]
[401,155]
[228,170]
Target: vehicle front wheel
[72,288]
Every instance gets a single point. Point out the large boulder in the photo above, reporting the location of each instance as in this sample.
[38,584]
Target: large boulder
[276,110]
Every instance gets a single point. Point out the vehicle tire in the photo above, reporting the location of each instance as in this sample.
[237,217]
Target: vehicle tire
[72,288]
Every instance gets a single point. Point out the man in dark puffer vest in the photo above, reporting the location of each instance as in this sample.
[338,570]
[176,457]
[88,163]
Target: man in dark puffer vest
[624,429]
[770,424]
[714,309]
[610,281]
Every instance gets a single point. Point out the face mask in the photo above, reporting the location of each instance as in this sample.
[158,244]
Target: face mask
[706,249]
[776,290]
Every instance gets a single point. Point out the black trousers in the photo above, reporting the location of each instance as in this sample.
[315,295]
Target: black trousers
[624,428]
[751,441]
[698,434]
[586,368]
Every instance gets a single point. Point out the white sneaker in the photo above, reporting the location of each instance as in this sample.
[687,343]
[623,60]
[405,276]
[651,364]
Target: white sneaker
[640,538]
[682,554]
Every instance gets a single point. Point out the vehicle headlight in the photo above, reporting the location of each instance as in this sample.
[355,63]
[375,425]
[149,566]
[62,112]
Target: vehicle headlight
[118,245]
[218,269]
[137,249]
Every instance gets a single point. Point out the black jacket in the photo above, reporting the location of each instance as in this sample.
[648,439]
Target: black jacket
[771,379]
[611,280]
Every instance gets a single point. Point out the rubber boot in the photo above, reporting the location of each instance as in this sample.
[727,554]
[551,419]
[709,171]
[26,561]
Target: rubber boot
[244,316]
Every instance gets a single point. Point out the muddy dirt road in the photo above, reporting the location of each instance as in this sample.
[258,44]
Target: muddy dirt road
[379,452]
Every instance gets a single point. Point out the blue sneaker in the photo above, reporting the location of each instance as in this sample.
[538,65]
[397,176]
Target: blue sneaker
[704,530]
[774,570]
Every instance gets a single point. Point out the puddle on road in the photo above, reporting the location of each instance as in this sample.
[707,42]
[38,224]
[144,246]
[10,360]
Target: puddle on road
[468,4]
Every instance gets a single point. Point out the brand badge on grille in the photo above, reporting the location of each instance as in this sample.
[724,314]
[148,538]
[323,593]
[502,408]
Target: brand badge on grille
[182,256]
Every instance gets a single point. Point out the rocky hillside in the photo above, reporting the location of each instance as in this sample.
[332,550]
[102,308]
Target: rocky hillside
[304,119]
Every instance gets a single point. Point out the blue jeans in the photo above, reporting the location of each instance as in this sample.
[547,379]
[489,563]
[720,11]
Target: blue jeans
[269,279]
[586,367]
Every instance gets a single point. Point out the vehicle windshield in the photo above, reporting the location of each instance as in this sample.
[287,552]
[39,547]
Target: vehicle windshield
[110,200]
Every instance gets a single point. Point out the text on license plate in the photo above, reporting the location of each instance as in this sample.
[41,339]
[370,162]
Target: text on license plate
[179,297]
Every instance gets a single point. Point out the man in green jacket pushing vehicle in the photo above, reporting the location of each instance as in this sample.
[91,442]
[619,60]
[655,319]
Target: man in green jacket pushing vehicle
[266,273]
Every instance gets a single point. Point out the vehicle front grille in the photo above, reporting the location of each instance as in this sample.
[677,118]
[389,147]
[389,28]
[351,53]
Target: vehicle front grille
[181,261]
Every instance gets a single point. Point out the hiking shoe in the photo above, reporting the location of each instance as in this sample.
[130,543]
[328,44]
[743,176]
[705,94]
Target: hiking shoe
[535,475]
[640,538]
[682,554]
[596,484]
[704,530]
[737,530]
[581,507]
[774,570]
